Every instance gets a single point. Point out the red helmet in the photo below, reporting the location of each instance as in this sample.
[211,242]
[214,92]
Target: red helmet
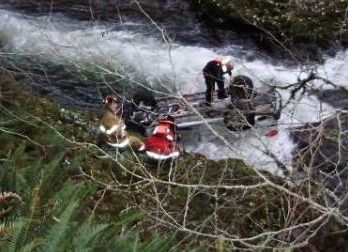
[166,127]
[167,120]
[109,99]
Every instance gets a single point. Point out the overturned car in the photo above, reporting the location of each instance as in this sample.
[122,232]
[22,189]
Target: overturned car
[242,109]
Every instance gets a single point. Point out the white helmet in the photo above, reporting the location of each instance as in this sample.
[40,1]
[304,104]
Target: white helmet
[226,60]
[226,63]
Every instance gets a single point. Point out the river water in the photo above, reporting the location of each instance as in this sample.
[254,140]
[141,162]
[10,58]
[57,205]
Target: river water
[76,61]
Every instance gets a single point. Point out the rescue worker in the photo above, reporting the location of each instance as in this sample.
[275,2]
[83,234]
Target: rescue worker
[162,144]
[213,73]
[113,128]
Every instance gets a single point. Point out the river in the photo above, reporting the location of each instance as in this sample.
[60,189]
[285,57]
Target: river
[76,61]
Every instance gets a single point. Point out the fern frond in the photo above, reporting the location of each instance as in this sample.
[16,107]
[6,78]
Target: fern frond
[61,233]
[58,236]
[32,245]
[14,239]
[86,238]
[9,195]
[7,227]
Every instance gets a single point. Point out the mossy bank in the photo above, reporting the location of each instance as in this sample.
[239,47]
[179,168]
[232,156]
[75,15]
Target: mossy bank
[298,28]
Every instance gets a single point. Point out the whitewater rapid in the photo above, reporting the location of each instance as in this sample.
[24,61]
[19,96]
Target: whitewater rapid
[153,62]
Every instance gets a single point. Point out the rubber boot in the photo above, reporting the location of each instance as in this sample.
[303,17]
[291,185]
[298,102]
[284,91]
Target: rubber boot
[136,143]
[222,94]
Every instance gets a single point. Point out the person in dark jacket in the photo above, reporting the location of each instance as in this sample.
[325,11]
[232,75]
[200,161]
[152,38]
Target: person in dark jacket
[213,73]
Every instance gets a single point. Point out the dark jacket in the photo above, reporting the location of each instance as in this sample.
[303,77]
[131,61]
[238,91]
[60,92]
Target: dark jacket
[214,70]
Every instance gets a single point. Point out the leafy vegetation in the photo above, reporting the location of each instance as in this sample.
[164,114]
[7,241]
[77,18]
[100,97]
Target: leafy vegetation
[292,23]
[45,204]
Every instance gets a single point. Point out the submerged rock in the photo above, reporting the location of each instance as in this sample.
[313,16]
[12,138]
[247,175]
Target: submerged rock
[337,98]
[322,146]
[322,153]
[119,11]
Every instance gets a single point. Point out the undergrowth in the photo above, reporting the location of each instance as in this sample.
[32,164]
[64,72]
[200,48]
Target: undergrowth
[45,203]
[60,191]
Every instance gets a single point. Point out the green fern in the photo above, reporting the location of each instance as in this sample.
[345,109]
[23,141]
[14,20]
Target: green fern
[55,210]
[87,236]
[7,204]
[57,238]
[13,240]
[7,226]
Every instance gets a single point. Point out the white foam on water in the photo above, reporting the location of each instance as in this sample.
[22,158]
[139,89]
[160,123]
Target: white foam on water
[335,69]
[154,61]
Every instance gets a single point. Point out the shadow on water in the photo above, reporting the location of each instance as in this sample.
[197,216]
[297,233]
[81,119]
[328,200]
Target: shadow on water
[70,85]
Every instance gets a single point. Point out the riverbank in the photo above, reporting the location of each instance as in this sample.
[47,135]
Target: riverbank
[66,182]
[295,30]
[45,201]
[49,160]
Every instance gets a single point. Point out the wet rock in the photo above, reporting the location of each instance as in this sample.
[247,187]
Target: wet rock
[322,154]
[282,26]
[322,146]
[104,9]
[337,98]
